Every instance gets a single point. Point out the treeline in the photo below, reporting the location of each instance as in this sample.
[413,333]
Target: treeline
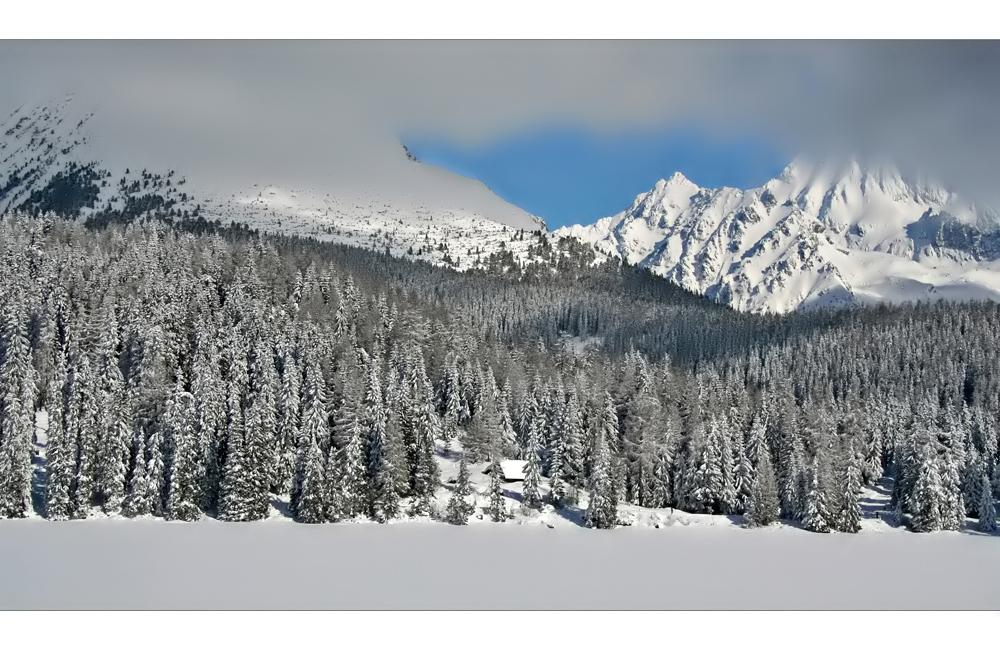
[186,373]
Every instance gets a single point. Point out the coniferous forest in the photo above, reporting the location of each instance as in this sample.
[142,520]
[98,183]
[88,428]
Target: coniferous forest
[182,372]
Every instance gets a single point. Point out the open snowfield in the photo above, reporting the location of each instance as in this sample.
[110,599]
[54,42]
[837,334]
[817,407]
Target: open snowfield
[152,564]
[666,559]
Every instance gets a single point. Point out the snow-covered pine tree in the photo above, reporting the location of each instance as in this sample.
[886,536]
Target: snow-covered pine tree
[953,502]
[972,482]
[764,505]
[602,510]
[333,491]
[560,454]
[450,396]
[497,507]
[508,436]
[872,467]
[17,418]
[531,496]
[137,502]
[574,435]
[288,413]
[84,432]
[756,439]
[394,405]
[383,497]
[925,501]
[58,470]
[183,490]
[235,485]
[660,492]
[354,474]
[156,472]
[459,509]
[424,429]
[312,505]
[116,427]
[815,516]
[309,502]
[850,513]
[208,391]
[727,496]
[987,506]
[261,427]
[746,477]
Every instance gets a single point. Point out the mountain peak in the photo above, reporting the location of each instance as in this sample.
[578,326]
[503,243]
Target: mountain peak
[837,224]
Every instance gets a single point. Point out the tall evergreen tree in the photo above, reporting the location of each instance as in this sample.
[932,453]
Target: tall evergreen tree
[816,517]
[459,509]
[987,506]
[383,497]
[497,508]
[764,507]
[850,511]
[58,468]
[183,491]
[531,496]
[309,503]
[602,509]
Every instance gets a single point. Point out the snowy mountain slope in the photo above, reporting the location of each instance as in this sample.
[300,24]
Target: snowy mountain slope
[818,235]
[65,157]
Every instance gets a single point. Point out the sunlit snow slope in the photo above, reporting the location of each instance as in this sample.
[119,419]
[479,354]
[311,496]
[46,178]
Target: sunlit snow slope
[64,157]
[818,235]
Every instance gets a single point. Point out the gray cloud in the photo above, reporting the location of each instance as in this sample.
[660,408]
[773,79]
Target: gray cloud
[930,106]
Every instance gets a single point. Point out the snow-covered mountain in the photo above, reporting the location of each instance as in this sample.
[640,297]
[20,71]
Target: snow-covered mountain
[818,235]
[74,158]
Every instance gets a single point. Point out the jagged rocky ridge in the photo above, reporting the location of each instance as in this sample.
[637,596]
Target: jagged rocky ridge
[818,235]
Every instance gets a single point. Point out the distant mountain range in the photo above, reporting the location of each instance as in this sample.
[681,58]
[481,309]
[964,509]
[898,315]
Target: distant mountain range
[61,157]
[820,234]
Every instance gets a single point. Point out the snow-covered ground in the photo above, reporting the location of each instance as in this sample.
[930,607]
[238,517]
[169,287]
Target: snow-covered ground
[546,560]
[153,564]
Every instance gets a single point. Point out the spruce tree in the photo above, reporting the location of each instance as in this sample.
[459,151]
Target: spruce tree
[602,510]
[235,486]
[531,496]
[17,418]
[236,480]
[137,501]
[764,505]
[816,517]
[850,511]
[57,466]
[987,507]
[261,430]
[183,493]
[287,434]
[925,501]
[424,429]
[746,477]
[497,508]
[311,505]
[354,474]
[84,433]
[156,473]
[459,509]
[383,498]
[309,501]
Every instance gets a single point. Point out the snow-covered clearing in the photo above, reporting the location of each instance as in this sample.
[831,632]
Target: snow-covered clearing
[664,560]
[153,564]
